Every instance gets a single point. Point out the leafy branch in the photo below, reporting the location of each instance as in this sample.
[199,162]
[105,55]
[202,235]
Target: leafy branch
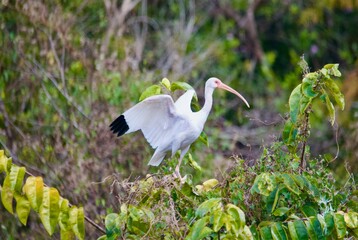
[46,201]
[315,85]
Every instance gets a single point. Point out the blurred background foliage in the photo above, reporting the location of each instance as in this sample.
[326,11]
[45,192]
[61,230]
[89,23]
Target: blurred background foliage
[68,68]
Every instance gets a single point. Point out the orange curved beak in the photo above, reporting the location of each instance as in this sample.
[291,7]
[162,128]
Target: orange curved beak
[227,88]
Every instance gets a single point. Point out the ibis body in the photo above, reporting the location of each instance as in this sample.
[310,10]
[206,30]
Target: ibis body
[169,126]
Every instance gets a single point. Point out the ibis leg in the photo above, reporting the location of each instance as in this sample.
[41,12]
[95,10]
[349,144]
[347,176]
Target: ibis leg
[177,168]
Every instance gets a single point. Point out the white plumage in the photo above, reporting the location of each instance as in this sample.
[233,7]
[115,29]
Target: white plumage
[169,126]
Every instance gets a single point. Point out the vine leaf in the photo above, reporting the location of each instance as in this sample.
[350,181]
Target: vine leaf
[33,189]
[50,209]
[7,194]
[22,208]
[77,221]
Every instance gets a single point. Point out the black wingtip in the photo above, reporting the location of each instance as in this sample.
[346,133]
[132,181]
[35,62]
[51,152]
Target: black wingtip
[119,126]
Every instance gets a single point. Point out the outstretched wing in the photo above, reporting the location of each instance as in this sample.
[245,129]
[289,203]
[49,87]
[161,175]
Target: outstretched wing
[183,103]
[154,116]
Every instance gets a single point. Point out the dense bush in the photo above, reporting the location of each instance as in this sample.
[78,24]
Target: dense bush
[67,68]
[284,195]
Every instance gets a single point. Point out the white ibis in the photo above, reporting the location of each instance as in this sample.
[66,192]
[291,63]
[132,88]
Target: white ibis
[169,126]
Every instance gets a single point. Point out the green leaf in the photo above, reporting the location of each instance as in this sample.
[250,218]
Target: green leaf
[290,183]
[22,208]
[340,225]
[265,233]
[280,211]
[208,206]
[273,199]
[298,230]
[33,189]
[289,134]
[314,229]
[7,195]
[150,91]
[77,221]
[301,181]
[254,232]
[308,210]
[204,138]
[304,103]
[112,222]
[329,220]
[166,83]
[278,232]
[331,110]
[180,86]
[50,209]
[199,230]
[301,230]
[193,163]
[334,90]
[16,177]
[294,103]
[351,219]
[307,90]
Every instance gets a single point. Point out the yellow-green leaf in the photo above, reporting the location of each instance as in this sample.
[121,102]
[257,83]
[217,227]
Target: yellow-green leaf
[237,215]
[218,220]
[67,235]
[294,103]
[4,166]
[208,206]
[351,219]
[33,189]
[210,184]
[50,209]
[280,211]
[339,225]
[331,111]
[166,83]
[64,215]
[333,69]
[22,208]
[77,220]
[150,91]
[334,90]
[5,162]
[16,177]
[290,183]
[7,195]
[193,163]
